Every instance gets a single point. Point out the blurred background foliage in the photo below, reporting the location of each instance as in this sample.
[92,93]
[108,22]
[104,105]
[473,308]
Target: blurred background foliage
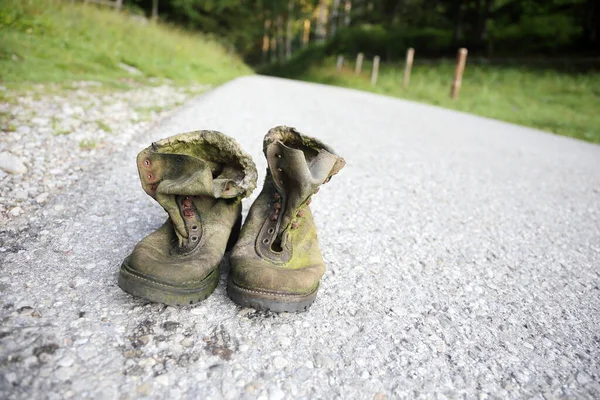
[62,41]
[491,28]
[531,62]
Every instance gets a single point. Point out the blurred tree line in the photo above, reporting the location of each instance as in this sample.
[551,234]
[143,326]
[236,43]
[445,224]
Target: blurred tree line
[263,30]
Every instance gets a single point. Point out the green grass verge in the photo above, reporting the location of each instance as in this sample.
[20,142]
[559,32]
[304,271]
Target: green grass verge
[563,103]
[56,41]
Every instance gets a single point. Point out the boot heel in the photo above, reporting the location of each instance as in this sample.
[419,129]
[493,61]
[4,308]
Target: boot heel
[276,264]
[235,234]
[205,176]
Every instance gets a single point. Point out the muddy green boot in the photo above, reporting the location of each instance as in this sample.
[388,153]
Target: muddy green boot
[199,178]
[276,264]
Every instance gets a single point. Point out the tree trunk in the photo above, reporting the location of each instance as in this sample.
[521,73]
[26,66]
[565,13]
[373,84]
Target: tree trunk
[280,48]
[483,18]
[334,18]
[273,48]
[306,33]
[458,22]
[288,33]
[154,10]
[591,21]
[347,10]
[266,40]
[396,13]
[321,31]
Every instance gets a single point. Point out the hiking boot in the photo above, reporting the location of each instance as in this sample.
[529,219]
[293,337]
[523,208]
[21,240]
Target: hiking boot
[276,264]
[199,178]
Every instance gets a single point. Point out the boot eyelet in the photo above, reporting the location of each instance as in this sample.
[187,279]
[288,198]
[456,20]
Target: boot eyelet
[265,241]
[194,238]
[294,225]
[278,155]
[150,176]
[146,163]
[194,227]
[279,169]
[271,231]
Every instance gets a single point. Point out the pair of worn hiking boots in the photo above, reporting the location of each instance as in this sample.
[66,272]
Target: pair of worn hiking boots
[200,178]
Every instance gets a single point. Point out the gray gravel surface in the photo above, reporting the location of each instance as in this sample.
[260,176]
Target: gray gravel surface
[50,134]
[463,261]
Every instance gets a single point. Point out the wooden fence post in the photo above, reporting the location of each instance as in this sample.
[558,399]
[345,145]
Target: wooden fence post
[339,63]
[359,61]
[375,71]
[460,68]
[410,54]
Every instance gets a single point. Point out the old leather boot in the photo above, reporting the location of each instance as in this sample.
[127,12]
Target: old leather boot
[276,264]
[199,178]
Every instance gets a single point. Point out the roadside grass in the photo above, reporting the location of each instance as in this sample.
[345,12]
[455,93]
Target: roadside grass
[563,103]
[87,144]
[147,111]
[54,41]
[104,126]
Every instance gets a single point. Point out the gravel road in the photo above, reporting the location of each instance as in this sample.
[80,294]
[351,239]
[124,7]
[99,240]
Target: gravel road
[463,262]
[50,134]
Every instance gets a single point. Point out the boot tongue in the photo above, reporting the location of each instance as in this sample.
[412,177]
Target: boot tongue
[166,176]
[199,163]
[297,174]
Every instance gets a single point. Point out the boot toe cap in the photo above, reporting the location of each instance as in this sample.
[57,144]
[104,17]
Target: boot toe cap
[277,279]
[154,262]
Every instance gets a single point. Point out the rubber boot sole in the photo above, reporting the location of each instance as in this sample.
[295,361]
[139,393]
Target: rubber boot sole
[172,295]
[133,283]
[271,301]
